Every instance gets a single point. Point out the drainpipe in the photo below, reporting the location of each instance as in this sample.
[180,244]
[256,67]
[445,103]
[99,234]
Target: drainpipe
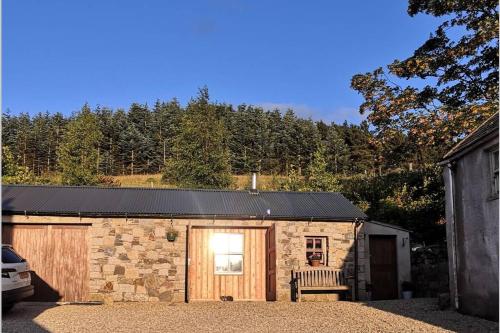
[187,265]
[453,230]
[356,293]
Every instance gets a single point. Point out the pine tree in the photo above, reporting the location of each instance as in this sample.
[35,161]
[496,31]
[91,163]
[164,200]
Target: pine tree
[337,150]
[105,158]
[307,140]
[200,153]
[318,178]
[120,145]
[23,140]
[79,148]
[41,143]
[136,149]
[57,125]
[142,141]
[290,154]
[322,129]
[361,153]
[166,119]
[237,144]
[9,130]
[140,138]
[249,137]
[274,148]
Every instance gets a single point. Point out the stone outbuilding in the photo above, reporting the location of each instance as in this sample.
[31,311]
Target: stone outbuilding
[471,183]
[174,245]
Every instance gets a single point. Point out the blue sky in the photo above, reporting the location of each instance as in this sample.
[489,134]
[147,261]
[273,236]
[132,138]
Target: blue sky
[58,55]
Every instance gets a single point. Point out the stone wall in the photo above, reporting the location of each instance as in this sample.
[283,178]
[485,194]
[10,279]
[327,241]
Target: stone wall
[131,259]
[430,270]
[290,238]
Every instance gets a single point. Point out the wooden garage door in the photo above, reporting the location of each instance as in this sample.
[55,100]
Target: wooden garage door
[205,284]
[58,255]
[383,267]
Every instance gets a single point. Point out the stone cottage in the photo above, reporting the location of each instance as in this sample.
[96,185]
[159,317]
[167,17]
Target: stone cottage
[173,245]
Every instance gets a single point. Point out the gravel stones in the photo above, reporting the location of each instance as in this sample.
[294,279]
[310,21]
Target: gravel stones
[417,315]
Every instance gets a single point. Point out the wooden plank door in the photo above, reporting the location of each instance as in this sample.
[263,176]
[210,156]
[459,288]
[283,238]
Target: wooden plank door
[271,263]
[58,257]
[383,267]
[206,285]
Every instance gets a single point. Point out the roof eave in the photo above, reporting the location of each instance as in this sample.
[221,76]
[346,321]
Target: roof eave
[456,149]
[182,216]
[389,225]
[454,155]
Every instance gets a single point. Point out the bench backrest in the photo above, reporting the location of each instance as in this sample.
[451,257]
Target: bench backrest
[321,277]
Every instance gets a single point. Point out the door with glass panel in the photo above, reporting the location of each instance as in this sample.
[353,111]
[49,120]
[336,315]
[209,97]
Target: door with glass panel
[227,263]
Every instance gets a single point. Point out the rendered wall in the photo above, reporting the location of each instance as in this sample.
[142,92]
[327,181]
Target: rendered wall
[402,250]
[474,221]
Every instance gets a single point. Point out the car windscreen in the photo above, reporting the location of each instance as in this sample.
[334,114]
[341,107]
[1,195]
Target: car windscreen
[10,257]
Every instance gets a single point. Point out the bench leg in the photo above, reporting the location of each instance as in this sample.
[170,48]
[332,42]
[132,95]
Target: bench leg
[298,295]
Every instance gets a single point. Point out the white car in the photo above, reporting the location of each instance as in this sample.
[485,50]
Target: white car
[16,278]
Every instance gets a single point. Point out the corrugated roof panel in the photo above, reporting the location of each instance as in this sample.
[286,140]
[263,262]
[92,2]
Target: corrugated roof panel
[291,203]
[342,207]
[177,202]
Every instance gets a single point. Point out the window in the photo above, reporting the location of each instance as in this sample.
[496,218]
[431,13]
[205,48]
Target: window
[10,257]
[317,246]
[494,172]
[228,253]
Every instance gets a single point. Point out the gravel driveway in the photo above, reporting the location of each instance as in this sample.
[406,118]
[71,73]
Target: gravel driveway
[418,315]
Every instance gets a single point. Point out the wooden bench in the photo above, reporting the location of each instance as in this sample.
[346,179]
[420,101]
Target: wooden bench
[320,278]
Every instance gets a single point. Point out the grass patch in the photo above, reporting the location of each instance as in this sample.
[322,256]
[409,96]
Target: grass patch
[241,182]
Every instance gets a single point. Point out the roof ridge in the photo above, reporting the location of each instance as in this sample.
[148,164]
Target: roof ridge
[495,115]
[159,188]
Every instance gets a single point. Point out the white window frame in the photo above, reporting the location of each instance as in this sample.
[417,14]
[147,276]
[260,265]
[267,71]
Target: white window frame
[227,252]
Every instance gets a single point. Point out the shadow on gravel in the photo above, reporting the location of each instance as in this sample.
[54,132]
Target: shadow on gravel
[426,310]
[21,318]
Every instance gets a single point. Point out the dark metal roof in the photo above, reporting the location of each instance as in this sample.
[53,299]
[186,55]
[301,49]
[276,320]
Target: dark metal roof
[122,201]
[476,136]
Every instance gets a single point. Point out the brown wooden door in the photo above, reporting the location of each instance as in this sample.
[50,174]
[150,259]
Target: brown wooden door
[206,284]
[58,257]
[271,264]
[383,267]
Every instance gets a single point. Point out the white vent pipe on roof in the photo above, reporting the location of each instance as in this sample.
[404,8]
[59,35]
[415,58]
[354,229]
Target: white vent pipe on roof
[254,181]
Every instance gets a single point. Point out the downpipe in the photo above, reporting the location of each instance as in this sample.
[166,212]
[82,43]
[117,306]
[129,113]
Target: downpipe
[357,223]
[451,178]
